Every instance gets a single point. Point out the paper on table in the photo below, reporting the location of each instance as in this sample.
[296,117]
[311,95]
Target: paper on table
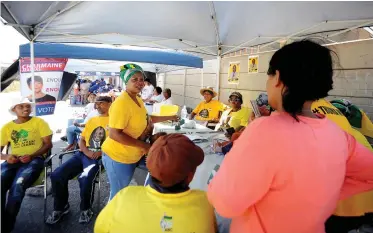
[196,138]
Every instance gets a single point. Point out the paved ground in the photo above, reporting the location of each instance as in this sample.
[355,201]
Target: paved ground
[30,218]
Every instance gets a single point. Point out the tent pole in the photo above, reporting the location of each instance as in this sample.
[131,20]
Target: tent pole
[32,74]
[294,34]
[17,22]
[240,45]
[46,25]
[218,58]
[351,28]
[16,25]
[196,46]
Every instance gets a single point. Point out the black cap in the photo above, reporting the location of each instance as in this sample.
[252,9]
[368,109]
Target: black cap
[104,99]
[238,95]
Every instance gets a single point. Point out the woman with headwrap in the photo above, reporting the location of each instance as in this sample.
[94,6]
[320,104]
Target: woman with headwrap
[129,125]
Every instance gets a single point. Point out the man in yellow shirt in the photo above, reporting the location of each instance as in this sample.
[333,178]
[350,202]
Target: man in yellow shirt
[29,139]
[167,204]
[208,110]
[83,164]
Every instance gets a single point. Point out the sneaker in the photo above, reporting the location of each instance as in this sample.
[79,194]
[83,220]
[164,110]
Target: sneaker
[57,215]
[85,216]
[64,138]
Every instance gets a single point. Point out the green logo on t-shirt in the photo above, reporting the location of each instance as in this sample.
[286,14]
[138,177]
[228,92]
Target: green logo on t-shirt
[166,223]
[16,136]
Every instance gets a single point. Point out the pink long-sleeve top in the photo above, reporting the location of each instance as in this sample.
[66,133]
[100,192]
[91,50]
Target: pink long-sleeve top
[283,176]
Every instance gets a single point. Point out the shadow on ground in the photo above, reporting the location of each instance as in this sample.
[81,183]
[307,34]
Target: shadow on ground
[30,217]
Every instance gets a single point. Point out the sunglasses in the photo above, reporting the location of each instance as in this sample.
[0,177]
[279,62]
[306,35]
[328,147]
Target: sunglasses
[234,100]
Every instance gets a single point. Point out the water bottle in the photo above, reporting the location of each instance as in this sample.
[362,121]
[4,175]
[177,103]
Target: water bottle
[184,113]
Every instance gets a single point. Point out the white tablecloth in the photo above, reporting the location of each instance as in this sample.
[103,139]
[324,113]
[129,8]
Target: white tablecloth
[168,128]
[212,159]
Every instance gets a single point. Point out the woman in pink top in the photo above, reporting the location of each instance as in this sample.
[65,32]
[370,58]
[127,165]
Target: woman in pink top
[287,171]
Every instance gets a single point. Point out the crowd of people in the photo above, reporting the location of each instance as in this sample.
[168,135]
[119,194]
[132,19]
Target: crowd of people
[299,167]
[84,87]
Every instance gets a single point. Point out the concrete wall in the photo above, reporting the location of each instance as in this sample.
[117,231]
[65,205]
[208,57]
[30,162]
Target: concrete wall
[185,84]
[353,77]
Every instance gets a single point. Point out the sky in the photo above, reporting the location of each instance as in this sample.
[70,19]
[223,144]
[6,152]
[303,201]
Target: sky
[10,40]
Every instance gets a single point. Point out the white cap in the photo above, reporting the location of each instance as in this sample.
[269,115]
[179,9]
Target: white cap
[16,101]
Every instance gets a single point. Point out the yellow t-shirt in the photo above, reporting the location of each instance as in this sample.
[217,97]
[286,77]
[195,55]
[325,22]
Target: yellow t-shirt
[324,107]
[125,114]
[361,203]
[95,132]
[144,210]
[237,119]
[208,111]
[25,138]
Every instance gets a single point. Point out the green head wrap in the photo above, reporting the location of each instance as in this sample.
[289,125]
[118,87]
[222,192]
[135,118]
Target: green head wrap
[128,70]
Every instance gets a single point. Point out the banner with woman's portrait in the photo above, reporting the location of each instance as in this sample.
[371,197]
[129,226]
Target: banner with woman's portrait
[47,81]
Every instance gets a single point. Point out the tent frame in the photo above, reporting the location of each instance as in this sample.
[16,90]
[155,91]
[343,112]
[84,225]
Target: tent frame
[194,46]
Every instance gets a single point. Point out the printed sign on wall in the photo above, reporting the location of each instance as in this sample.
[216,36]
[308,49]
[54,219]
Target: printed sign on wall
[234,73]
[47,80]
[253,64]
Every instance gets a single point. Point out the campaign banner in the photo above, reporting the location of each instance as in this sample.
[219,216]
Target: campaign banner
[47,81]
[234,73]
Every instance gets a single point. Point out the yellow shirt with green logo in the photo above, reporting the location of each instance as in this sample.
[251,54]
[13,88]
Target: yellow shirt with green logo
[208,111]
[125,114]
[25,138]
[139,209]
[324,107]
[96,131]
[362,203]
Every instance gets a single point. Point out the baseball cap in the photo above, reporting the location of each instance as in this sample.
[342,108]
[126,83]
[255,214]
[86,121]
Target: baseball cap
[172,158]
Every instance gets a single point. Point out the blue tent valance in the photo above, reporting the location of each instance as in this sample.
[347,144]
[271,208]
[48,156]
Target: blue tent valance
[53,50]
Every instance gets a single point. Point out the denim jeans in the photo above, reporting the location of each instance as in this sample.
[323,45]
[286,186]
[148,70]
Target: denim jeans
[224,224]
[77,120]
[16,178]
[120,174]
[72,134]
[79,165]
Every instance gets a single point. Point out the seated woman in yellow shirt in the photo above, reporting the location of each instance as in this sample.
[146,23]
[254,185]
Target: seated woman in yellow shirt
[208,110]
[167,204]
[236,117]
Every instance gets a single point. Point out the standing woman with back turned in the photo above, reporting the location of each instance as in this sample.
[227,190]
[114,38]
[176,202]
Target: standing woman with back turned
[128,123]
[294,184]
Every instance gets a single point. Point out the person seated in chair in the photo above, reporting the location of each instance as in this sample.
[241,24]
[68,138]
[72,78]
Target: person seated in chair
[236,117]
[209,110]
[167,204]
[83,164]
[29,139]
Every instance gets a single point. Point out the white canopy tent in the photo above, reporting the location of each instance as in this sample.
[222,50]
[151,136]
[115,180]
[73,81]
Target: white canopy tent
[207,29]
